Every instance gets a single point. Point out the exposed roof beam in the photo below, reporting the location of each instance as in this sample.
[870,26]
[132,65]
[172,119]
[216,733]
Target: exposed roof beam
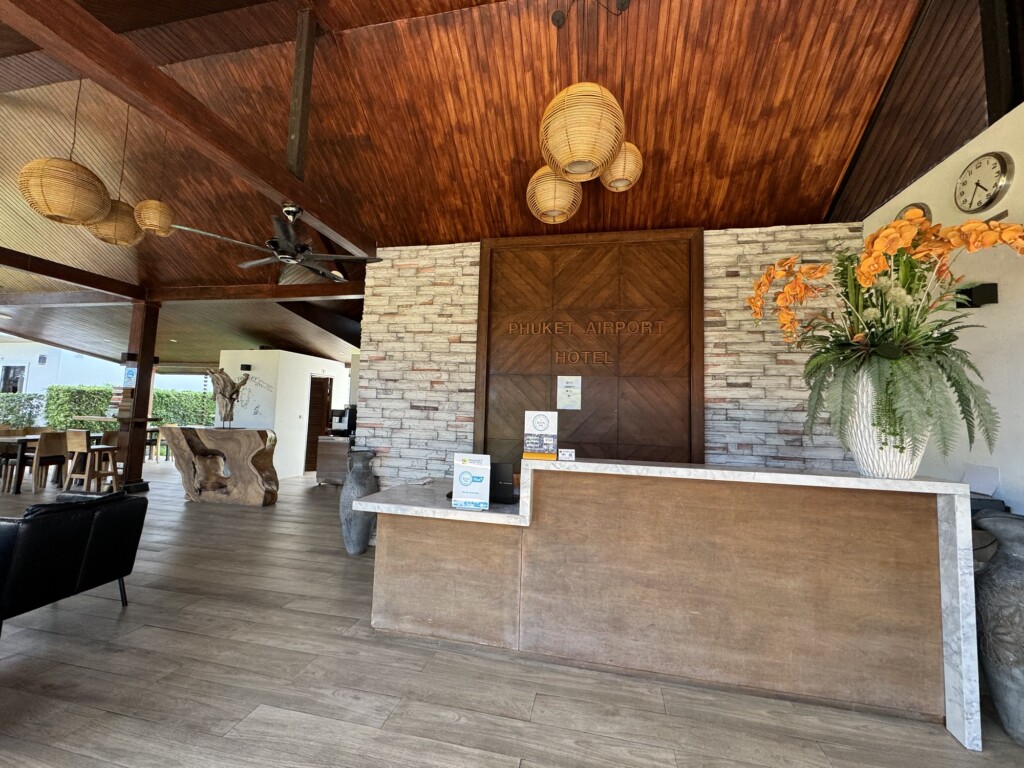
[1002,30]
[46,268]
[62,299]
[302,84]
[259,292]
[69,33]
[345,328]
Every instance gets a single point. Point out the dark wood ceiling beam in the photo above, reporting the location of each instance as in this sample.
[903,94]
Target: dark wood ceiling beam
[259,292]
[46,268]
[345,328]
[69,33]
[302,85]
[62,299]
[1002,34]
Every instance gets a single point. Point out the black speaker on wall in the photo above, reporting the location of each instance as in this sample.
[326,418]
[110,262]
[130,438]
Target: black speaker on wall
[980,295]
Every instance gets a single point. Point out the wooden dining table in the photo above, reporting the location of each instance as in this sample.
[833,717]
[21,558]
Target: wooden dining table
[22,443]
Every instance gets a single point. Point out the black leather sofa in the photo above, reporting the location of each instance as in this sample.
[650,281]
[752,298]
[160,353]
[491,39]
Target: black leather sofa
[58,550]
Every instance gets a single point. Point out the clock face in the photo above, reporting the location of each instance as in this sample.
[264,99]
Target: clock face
[982,182]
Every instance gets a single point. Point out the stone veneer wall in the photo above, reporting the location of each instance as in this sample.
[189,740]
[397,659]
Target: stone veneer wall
[754,395]
[417,370]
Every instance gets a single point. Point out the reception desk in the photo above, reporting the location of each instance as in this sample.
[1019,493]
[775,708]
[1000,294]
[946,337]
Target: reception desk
[836,589]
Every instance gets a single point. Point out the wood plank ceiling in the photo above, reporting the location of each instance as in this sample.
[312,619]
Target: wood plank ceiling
[424,120]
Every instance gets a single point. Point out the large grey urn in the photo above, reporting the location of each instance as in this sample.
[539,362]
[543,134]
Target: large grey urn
[356,526]
[1000,588]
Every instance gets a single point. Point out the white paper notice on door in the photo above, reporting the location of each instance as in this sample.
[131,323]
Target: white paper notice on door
[570,393]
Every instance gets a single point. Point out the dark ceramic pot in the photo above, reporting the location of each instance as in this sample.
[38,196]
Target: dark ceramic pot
[1000,592]
[356,527]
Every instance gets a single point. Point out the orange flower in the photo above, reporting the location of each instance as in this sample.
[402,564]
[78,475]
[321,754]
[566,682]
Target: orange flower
[783,299]
[787,263]
[887,241]
[815,271]
[859,338]
[756,304]
[913,213]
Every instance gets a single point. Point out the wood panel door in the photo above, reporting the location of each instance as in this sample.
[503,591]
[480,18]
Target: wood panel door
[318,421]
[622,311]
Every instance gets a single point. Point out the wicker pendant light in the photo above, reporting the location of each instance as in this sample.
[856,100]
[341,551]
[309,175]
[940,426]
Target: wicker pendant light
[622,172]
[581,131]
[63,191]
[155,216]
[551,198]
[118,227]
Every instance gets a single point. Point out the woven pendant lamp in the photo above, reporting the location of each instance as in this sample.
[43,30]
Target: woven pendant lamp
[622,172]
[119,227]
[551,198]
[581,131]
[63,191]
[155,216]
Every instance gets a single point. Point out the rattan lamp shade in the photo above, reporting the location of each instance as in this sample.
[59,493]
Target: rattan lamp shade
[63,191]
[622,172]
[155,216]
[581,131]
[119,227]
[551,198]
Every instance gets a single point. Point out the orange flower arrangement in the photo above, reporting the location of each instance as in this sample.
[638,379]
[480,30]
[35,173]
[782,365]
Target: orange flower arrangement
[892,321]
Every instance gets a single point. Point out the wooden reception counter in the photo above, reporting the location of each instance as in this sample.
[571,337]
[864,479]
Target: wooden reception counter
[838,589]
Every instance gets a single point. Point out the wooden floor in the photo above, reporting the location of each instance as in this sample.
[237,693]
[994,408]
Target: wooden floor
[247,643]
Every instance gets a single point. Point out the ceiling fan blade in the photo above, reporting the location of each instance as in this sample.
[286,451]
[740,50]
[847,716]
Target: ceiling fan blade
[343,257]
[222,238]
[319,257]
[258,262]
[333,277]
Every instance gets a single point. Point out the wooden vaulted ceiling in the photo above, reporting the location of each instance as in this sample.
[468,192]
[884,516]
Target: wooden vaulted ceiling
[424,115]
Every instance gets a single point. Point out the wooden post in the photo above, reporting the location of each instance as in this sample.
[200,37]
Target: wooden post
[141,346]
[302,82]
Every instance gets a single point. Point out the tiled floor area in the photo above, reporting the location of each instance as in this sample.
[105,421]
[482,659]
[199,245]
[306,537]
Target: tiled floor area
[246,644]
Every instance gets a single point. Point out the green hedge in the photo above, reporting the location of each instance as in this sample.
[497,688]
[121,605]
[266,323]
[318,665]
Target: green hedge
[64,401]
[20,409]
[174,406]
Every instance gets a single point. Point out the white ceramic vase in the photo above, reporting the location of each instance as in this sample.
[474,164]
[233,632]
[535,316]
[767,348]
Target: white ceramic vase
[876,456]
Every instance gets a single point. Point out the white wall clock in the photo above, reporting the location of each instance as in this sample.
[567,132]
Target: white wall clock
[983,182]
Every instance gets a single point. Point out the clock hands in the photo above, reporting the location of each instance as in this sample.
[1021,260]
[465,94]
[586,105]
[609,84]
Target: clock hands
[976,185]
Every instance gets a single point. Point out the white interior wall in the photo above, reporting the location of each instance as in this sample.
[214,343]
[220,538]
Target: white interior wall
[993,347]
[277,397]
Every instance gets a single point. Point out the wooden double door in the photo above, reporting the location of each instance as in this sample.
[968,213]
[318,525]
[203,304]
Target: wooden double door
[624,312]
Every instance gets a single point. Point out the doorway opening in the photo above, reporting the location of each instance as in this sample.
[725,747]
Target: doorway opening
[318,421]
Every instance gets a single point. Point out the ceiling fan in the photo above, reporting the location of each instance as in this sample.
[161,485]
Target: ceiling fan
[285,248]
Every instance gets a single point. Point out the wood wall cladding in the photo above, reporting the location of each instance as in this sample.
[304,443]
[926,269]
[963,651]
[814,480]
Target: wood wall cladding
[347,14]
[623,311]
[896,150]
[815,592]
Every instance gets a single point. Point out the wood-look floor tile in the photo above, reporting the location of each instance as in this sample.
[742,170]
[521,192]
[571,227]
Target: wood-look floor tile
[82,652]
[137,698]
[356,706]
[492,697]
[555,746]
[759,748]
[27,715]
[201,589]
[52,619]
[249,614]
[542,677]
[17,667]
[133,743]
[202,623]
[158,598]
[333,644]
[321,738]
[356,607]
[22,753]
[230,652]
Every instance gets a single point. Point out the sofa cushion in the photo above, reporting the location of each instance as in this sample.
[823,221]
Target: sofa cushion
[71,501]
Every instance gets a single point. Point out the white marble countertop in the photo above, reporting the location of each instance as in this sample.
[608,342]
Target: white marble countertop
[429,500]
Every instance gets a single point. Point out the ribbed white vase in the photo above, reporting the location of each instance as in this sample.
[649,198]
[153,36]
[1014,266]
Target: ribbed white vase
[876,456]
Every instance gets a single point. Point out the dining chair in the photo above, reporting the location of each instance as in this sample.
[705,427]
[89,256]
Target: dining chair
[98,462]
[51,451]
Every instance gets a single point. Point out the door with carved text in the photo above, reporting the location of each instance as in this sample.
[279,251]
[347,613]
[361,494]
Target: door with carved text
[622,311]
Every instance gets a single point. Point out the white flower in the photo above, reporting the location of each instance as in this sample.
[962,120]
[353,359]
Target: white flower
[871,314]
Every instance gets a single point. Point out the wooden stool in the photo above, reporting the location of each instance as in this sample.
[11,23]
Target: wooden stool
[99,462]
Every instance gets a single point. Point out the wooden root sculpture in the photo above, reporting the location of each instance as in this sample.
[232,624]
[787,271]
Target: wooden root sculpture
[225,392]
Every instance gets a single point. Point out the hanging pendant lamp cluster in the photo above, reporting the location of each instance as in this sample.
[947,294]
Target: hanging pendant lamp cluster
[582,137]
[67,192]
